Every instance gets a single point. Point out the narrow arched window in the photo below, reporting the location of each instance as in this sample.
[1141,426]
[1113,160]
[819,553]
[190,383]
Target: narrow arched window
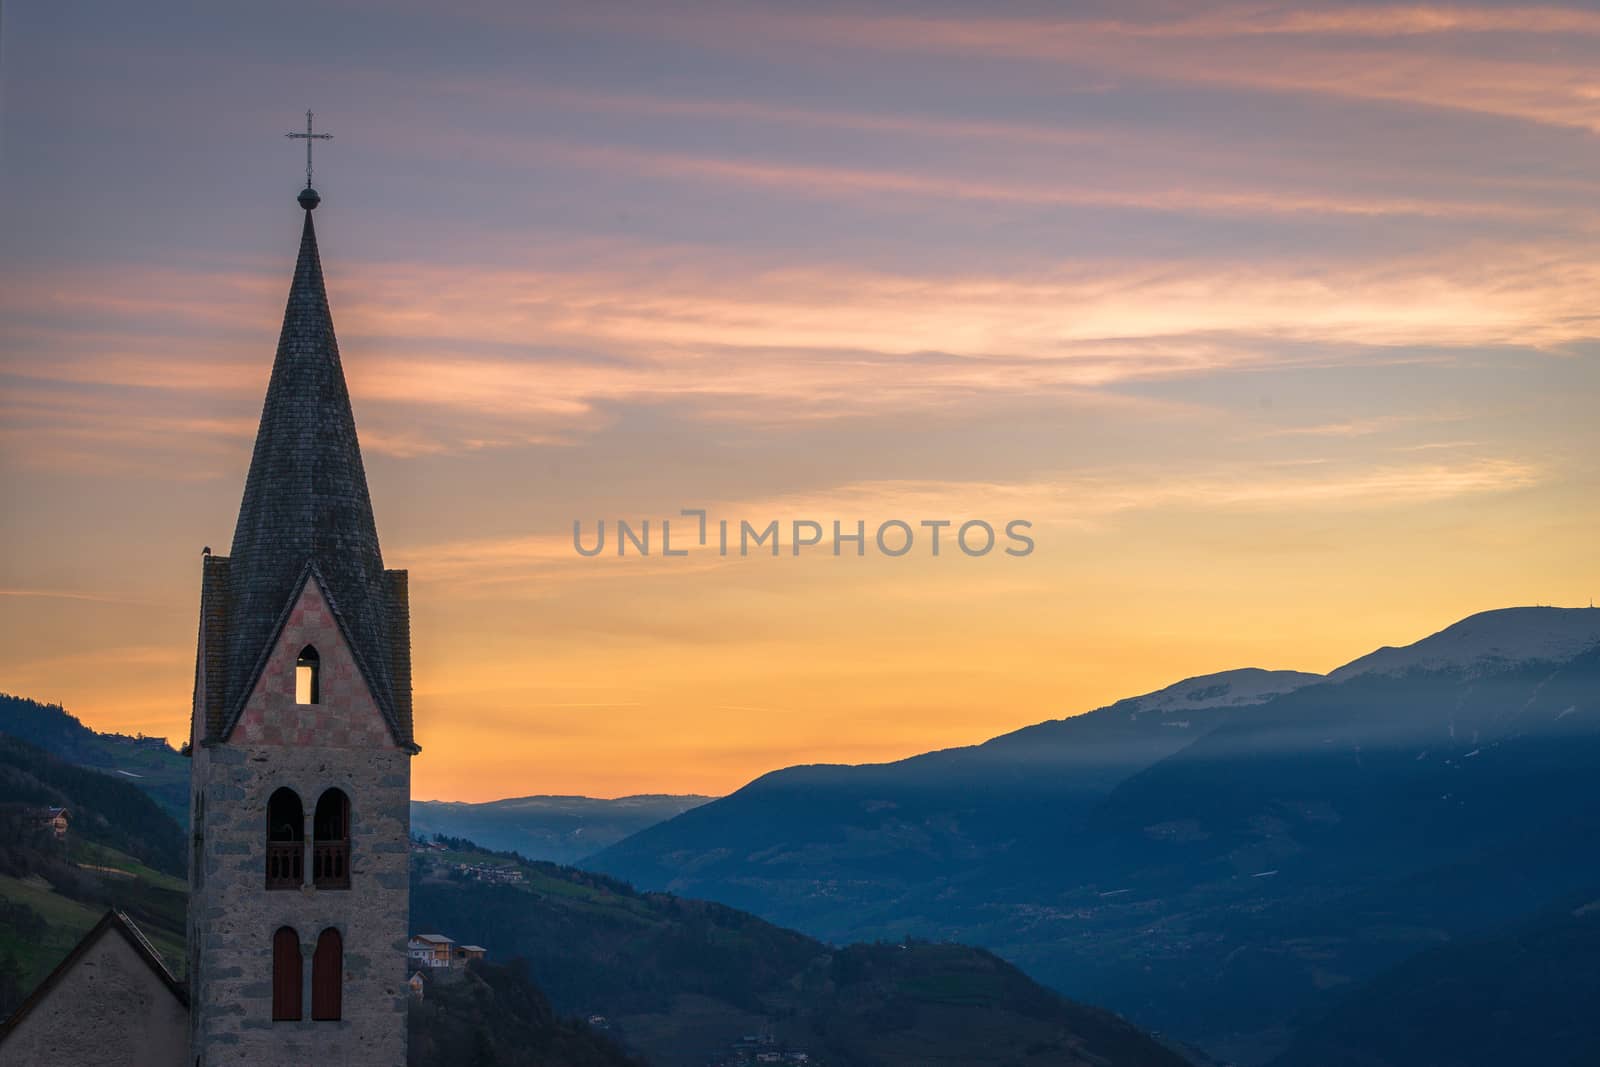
[197,840]
[287,969]
[307,684]
[327,976]
[330,843]
[286,840]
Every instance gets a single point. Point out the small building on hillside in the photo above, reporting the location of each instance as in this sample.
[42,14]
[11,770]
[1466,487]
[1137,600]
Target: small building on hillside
[66,1019]
[417,984]
[430,950]
[55,820]
[470,952]
[491,873]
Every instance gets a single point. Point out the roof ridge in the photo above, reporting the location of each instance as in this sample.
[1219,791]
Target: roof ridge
[113,919]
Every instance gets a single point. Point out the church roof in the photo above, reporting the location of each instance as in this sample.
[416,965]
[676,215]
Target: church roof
[113,921]
[306,504]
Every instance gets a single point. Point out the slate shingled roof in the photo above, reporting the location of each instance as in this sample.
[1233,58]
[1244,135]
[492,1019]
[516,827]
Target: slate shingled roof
[306,502]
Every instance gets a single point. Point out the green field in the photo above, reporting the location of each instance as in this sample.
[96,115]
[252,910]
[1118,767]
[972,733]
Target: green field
[67,921]
[92,855]
[121,851]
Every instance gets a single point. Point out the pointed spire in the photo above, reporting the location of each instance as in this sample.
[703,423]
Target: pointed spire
[305,500]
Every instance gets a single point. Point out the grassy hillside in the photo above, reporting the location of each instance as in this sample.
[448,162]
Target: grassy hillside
[122,851]
[42,919]
[689,982]
[147,762]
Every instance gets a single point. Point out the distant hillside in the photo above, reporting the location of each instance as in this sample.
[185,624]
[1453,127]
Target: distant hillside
[496,1016]
[1525,995]
[121,850]
[103,809]
[555,828]
[148,762]
[830,848]
[560,829]
[685,981]
[1216,861]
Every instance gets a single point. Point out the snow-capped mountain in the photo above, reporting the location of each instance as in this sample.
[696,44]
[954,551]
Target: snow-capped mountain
[1225,689]
[1488,641]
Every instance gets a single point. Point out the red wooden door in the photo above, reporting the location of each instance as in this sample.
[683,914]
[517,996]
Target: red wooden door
[327,975]
[287,967]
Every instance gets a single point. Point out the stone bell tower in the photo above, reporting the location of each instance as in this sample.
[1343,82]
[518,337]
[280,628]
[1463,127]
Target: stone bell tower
[301,738]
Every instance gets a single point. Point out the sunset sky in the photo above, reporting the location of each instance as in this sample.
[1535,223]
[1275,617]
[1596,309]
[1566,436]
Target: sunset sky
[1281,323]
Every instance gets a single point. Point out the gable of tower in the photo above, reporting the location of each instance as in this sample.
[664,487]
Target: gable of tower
[345,713]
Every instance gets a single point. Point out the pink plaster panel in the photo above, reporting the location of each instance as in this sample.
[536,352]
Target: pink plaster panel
[345,715]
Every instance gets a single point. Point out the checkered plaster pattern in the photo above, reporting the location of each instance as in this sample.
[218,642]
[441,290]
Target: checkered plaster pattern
[345,715]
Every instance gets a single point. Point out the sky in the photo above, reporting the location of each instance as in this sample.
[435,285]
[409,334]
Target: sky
[1278,323]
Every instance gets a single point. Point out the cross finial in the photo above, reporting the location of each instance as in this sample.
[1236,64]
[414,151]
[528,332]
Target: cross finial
[308,137]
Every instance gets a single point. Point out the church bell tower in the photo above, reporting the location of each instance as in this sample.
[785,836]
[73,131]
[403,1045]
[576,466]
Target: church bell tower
[301,739]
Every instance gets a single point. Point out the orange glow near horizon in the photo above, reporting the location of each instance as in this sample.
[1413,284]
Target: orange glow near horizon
[1278,325]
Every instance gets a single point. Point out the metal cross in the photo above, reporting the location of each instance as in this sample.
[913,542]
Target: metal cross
[308,137]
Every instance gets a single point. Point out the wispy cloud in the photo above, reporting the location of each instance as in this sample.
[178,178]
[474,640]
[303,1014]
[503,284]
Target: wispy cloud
[637,309]
[533,355]
[540,563]
[64,594]
[1236,196]
[1072,498]
[1362,427]
[1346,52]
[1297,20]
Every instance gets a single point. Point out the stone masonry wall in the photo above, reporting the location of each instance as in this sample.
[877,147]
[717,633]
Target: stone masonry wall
[340,742]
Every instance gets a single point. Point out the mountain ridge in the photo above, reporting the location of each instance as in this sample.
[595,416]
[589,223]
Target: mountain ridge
[1500,636]
[147,762]
[1259,856]
[561,829]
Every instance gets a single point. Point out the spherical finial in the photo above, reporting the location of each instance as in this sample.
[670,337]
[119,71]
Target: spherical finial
[308,198]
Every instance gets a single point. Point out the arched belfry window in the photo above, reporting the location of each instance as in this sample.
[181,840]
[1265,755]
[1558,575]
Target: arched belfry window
[327,977]
[307,677]
[330,844]
[286,841]
[287,970]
